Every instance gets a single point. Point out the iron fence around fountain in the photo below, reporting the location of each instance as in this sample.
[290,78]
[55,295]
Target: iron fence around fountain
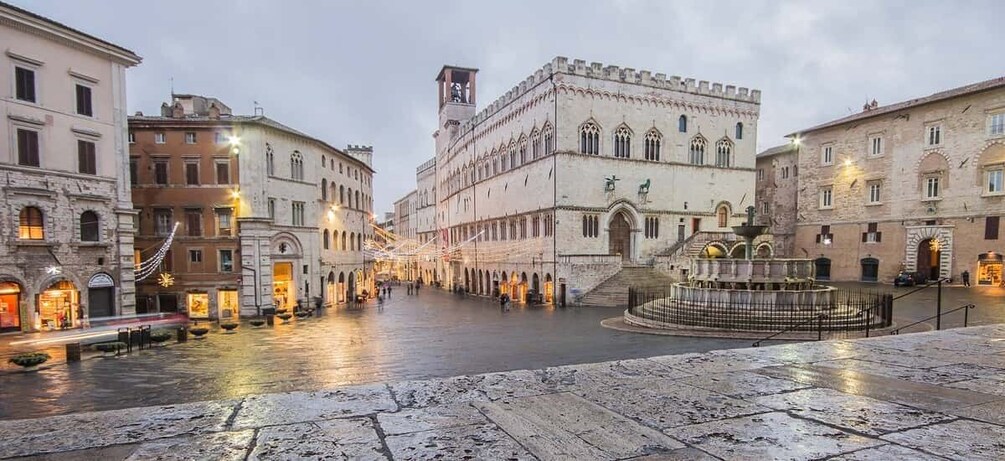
[840,312]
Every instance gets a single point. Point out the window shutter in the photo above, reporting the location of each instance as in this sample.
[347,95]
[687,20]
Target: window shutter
[818,238]
[991,228]
[865,237]
[879,237]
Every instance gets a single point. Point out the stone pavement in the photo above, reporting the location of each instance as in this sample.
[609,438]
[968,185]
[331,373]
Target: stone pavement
[929,396]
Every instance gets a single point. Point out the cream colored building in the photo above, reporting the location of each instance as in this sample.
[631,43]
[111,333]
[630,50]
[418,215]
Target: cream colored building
[581,170]
[914,186]
[67,213]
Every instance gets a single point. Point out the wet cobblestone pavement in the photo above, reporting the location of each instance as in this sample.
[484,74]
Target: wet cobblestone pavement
[929,396]
[433,335]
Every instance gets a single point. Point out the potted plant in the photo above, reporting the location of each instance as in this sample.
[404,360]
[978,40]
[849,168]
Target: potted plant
[110,348]
[285,317]
[199,332]
[229,326]
[30,360]
[160,336]
[257,322]
[282,310]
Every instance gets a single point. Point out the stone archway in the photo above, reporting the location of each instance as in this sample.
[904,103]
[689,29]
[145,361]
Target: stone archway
[620,236]
[940,260]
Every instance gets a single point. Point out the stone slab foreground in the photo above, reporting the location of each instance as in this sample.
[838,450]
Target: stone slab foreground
[927,396]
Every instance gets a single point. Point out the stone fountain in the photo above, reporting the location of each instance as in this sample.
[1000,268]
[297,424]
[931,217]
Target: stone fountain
[762,294]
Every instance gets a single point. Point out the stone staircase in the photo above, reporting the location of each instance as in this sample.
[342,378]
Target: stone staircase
[613,292]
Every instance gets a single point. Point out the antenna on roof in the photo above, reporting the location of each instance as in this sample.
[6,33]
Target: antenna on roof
[259,110]
[171,79]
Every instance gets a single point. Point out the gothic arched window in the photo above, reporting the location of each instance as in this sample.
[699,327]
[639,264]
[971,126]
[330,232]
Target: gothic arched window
[522,147]
[739,130]
[723,153]
[535,144]
[549,139]
[324,189]
[297,166]
[623,143]
[696,153]
[589,139]
[326,239]
[682,124]
[653,143]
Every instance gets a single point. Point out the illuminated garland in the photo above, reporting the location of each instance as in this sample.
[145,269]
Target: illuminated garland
[147,268]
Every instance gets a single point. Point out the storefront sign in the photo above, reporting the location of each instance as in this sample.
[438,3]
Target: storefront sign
[100,280]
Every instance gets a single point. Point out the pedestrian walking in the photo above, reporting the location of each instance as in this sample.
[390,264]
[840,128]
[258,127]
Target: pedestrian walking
[409,288]
[388,292]
[502,302]
[966,278]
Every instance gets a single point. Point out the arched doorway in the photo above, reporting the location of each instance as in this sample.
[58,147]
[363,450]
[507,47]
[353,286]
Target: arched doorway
[352,285]
[549,289]
[822,268]
[523,287]
[929,257]
[535,283]
[100,302]
[342,294]
[504,284]
[284,288]
[10,306]
[620,236]
[870,269]
[330,290]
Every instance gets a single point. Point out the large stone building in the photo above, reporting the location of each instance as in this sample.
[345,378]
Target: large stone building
[580,170]
[777,181]
[913,186]
[405,229]
[68,232]
[267,215]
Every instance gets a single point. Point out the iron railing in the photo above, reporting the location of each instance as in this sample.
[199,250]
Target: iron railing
[842,314]
[966,318]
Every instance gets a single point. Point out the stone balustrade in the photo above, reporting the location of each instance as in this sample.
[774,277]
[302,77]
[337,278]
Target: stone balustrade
[823,297]
[752,270]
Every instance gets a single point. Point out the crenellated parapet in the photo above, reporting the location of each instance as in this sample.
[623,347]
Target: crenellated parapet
[596,70]
[431,163]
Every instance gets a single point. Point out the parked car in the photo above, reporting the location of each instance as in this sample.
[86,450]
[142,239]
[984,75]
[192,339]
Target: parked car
[904,279]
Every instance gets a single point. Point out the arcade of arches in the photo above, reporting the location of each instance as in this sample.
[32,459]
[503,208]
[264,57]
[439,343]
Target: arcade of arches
[516,285]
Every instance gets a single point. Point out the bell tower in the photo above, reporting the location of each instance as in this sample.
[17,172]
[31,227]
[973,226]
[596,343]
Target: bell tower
[456,87]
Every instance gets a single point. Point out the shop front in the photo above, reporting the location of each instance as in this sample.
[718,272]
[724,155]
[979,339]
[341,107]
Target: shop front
[58,307]
[198,305]
[227,303]
[10,302]
[284,290]
[989,269]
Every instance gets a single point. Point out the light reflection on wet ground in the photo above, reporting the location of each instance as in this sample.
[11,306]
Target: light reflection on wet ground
[433,335]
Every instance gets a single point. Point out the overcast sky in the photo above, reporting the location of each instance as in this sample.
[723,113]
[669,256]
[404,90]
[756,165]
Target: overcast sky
[362,72]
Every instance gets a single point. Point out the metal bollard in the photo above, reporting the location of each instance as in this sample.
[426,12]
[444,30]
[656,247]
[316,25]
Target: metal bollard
[72,352]
[182,334]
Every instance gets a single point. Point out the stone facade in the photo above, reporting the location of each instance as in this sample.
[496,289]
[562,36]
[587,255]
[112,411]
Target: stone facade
[405,227]
[776,193]
[299,211]
[913,186]
[67,213]
[581,165]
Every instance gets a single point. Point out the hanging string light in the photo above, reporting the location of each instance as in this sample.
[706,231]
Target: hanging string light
[147,267]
